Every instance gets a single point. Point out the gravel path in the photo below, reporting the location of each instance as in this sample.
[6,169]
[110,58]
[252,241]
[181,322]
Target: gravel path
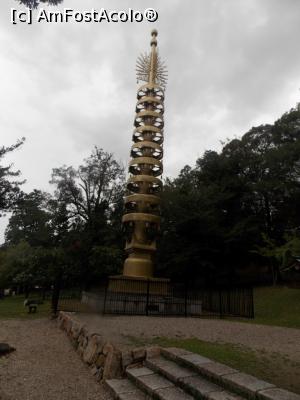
[45,366]
[285,341]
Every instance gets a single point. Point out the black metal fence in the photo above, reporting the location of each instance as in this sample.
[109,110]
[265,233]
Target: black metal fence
[156,297]
[66,300]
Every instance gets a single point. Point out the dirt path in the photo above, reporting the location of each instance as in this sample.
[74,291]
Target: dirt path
[45,366]
[285,341]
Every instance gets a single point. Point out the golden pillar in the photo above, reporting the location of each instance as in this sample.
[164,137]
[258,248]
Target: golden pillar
[142,202]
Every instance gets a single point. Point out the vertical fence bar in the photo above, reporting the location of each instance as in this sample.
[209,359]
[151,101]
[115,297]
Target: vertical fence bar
[185,299]
[220,303]
[105,297]
[251,303]
[147,298]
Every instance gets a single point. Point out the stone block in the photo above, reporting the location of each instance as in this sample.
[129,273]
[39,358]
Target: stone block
[153,351]
[119,386]
[107,348]
[223,396]
[85,342]
[193,359]
[215,370]
[173,353]
[200,387]
[68,325]
[277,394]
[76,329]
[100,361]
[245,384]
[135,365]
[113,365]
[60,322]
[127,359]
[138,395]
[153,382]
[80,350]
[169,369]
[93,349]
[99,340]
[62,315]
[123,389]
[173,393]
[83,336]
[139,354]
[142,371]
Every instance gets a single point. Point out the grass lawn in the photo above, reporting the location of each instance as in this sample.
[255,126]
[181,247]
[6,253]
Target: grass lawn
[272,367]
[272,305]
[276,306]
[12,307]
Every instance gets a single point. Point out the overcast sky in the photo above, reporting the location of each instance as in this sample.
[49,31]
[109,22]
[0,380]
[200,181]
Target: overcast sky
[66,87]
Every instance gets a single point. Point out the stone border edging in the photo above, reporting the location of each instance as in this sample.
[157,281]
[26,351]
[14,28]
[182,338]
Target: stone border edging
[106,362]
[103,357]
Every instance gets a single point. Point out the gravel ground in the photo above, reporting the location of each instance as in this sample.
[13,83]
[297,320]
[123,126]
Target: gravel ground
[285,341]
[44,366]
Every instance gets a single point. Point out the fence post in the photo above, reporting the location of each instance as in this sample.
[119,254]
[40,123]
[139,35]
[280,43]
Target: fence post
[220,303]
[147,299]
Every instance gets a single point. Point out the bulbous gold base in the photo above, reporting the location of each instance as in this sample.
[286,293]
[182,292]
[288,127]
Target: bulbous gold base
[138,266]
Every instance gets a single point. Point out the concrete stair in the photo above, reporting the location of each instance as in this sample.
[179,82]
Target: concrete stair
[177,374]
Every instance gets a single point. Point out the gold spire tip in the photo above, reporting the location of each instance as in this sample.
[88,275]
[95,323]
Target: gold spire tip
[154,33]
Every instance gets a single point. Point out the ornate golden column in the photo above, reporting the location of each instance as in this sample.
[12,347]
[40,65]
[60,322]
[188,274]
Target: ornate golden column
[142,202]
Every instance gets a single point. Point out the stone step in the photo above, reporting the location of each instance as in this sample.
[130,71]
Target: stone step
[124,389]
[155,385]
[228,378]
[177,374]
[189,380]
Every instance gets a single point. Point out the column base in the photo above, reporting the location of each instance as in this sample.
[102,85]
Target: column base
[138,267]
[139,285]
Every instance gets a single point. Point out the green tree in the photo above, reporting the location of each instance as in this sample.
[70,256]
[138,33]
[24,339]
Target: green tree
[18,266]
[30,220]
[9,184]
[216,213]
[92,195]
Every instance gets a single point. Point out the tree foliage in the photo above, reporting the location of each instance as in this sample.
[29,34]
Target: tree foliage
[217,213]
[36,3]
[73,236]
[90,191]
[30,220]
[9,184]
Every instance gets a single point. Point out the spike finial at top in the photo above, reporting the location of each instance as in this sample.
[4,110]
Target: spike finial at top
[149,67]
